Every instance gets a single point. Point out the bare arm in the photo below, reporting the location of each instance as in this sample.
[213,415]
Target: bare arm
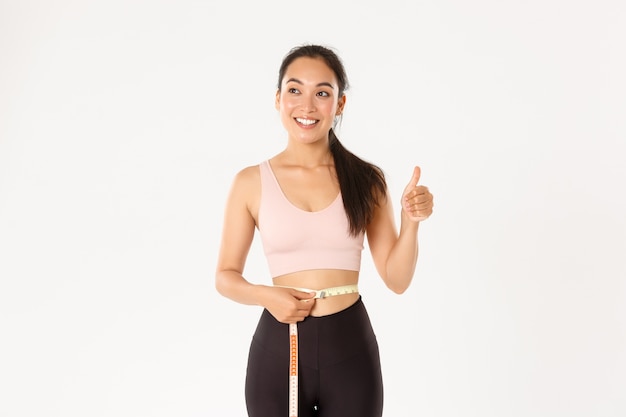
[237,234]
[395,254]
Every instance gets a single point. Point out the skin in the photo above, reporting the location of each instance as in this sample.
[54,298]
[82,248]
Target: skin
[305,172]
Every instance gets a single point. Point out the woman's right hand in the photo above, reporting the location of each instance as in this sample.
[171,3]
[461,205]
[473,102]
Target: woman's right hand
[288,305]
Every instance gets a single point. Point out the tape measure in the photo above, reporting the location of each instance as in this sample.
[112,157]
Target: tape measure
[327,292]
[293,342]
[293,370]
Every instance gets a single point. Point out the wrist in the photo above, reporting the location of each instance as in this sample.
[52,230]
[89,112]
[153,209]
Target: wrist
[259,294]
[407,223]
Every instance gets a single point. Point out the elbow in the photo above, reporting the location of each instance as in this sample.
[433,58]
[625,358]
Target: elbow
[397,286]
[398,289]
[399,281]
[220,286]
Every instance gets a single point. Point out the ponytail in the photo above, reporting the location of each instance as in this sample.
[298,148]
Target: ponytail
[362,185]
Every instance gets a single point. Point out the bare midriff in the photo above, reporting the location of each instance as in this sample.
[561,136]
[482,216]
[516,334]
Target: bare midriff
[319,279]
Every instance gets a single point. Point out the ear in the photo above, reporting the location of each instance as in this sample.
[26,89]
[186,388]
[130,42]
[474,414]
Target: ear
[277,100]
[341,103]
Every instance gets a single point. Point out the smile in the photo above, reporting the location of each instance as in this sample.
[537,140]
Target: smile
[306,122]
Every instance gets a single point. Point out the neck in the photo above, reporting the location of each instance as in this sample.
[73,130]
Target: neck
[308,155]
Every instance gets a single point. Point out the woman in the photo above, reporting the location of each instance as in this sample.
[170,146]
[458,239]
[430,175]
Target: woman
[313,204]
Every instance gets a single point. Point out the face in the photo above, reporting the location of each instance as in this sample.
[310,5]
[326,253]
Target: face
[308,100]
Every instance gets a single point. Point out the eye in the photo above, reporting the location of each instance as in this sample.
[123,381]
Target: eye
[293,90]
[323,94]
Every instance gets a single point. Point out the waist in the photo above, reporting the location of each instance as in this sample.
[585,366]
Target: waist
[317,279]
[335,290]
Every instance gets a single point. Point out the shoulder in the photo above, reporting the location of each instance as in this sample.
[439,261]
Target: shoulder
[248,174]
[246,180]
[246,189]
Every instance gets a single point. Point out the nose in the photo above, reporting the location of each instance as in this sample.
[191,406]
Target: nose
[308,102]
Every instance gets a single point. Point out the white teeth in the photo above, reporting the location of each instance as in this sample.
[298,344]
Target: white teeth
[307,122]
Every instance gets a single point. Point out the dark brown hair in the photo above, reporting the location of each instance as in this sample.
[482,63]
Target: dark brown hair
[362,183]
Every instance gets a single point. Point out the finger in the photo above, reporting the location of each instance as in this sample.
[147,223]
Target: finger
[417,172]
[418,190]
[306,305]
[418,195]
[420,206]
[420,202]
[297,315]
[304,295]
[424,205]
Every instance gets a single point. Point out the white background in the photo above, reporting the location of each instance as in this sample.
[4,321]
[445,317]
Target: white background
[122,124]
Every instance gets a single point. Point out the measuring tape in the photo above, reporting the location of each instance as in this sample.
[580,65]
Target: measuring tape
[327,292]
[293,370]
[293,342]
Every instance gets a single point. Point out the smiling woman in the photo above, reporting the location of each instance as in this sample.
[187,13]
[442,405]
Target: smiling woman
[313,204]
[309,95]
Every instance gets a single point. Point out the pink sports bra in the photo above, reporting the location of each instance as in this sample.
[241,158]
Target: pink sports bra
[297,240]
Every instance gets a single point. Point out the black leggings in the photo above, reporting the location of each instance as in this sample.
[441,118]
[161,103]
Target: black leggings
[339,367]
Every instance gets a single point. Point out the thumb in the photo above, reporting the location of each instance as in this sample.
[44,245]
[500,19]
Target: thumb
[303,294]
[414,179]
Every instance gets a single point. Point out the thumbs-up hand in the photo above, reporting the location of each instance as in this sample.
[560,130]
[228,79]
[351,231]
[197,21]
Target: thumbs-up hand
[417,201]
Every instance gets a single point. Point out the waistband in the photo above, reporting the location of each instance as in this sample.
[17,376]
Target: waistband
[347,330]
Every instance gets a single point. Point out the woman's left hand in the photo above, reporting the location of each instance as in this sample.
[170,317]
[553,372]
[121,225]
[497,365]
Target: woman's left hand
[417,201]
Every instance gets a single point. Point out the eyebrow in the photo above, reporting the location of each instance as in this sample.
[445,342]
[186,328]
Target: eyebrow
[322,84]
